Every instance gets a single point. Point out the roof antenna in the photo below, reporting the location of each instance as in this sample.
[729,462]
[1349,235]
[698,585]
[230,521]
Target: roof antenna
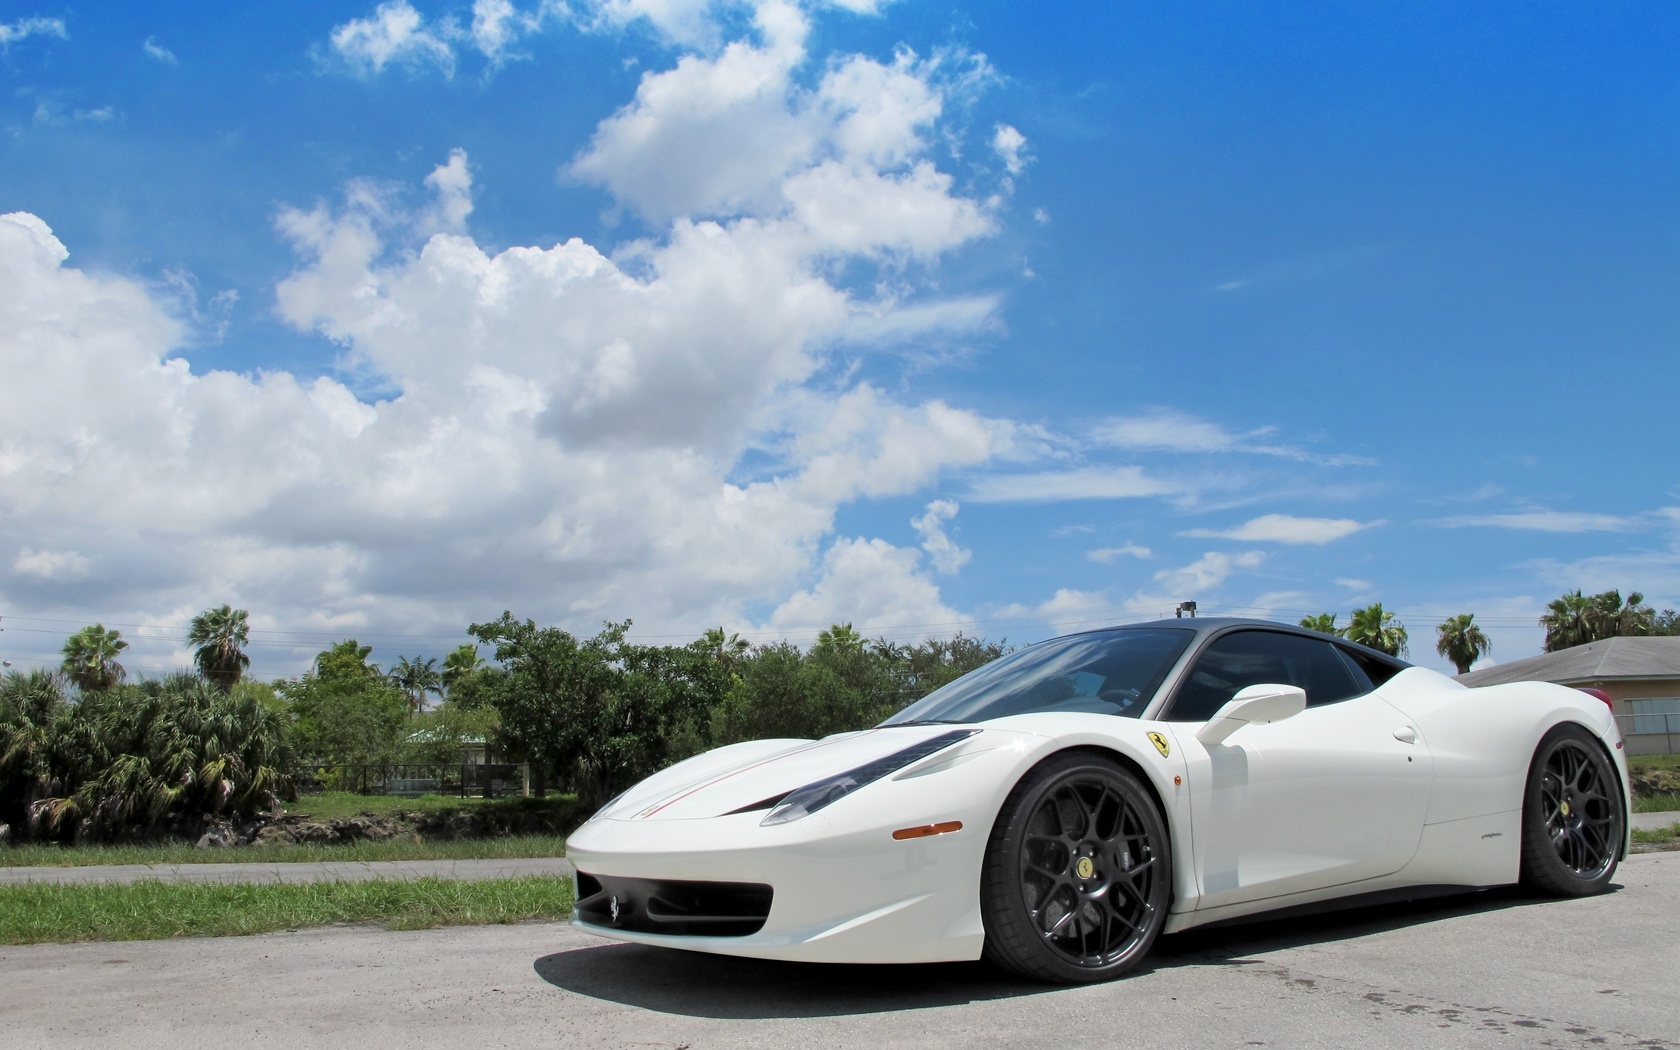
[1185,607]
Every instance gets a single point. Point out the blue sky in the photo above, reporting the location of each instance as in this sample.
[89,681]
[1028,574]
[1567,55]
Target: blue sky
[377,319]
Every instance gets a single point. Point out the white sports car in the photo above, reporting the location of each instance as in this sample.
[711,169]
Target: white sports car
[1058,809]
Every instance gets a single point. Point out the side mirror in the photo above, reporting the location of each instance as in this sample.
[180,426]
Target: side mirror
[1253,705]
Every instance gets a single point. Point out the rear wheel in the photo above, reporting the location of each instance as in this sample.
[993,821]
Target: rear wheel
[1078,872]
[1573,824]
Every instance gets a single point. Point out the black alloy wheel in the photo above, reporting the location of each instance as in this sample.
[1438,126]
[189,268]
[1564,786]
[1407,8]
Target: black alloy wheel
[1078,872]
[1573,822]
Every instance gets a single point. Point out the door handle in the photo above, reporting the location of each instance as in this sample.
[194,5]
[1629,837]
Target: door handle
[1406,735]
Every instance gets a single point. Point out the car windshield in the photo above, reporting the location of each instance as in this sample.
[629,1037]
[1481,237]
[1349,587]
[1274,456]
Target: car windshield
[1103,672]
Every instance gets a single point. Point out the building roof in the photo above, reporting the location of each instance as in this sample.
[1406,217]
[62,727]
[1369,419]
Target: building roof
[1632,658]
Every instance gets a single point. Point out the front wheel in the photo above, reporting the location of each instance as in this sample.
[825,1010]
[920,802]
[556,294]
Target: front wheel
[1078,872]
[1572,820]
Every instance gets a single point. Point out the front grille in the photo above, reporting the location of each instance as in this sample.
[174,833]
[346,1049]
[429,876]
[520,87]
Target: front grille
[687,909]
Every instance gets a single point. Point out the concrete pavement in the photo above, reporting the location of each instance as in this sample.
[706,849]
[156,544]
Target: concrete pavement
[1491,970]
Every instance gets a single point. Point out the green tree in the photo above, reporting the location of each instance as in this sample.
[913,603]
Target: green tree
[173,747]
[220,636]
[1578,619]
[90,658]
[1378,628]
[602,712]
[417,678]
[1323,623]
[727,651]
[1461,640]
[461,662]
[346,712]
[33,713]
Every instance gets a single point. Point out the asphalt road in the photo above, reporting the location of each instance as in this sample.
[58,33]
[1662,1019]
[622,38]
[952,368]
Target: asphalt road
[306,871]
[1492,970]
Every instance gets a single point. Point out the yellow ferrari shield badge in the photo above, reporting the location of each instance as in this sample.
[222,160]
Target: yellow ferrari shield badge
[1085,869]
[1161,744]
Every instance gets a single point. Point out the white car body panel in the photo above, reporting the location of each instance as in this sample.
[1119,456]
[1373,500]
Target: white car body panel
[1418,784]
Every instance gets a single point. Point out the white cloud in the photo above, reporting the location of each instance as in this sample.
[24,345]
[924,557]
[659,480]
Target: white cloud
[1286,528]
[1110,555]
[1353,583]
[946,556]
[1079,483]
[1011,147]
[1207,572]
[875,587]
[1546,521]
[51,565]
[11,32]
[159,52]
[560,438]
[1168,430]
[395,34]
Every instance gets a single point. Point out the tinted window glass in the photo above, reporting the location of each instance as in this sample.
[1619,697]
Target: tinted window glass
[1105,672]
[1244,658]
[1377,670]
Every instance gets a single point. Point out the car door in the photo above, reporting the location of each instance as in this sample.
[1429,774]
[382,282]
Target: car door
[1333,795]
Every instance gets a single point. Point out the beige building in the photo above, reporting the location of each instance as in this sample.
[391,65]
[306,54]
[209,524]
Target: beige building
[1641,676]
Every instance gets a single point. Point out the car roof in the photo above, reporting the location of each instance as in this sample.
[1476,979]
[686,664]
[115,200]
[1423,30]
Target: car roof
[1208,625]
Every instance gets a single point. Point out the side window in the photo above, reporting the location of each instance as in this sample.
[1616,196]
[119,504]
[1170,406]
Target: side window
[1244,658]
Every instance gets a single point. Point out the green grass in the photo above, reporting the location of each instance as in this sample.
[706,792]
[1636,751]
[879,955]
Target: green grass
[34,914]
[1643,763]
[468,849]
[1655,803]
[1657,836]
[339,804]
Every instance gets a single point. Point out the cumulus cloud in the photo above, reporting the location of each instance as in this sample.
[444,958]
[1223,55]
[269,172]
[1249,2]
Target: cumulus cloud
[51,565]
[563,427]
[1287,528]
[395,34]
[1011,147]
[1208,571]
[947,557]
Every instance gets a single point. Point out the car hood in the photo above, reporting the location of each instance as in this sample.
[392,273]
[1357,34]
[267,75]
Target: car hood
[747,775]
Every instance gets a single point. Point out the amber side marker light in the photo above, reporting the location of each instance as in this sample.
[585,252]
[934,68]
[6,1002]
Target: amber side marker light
[928,829]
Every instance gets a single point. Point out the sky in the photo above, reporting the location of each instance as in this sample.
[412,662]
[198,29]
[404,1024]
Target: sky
[379,319]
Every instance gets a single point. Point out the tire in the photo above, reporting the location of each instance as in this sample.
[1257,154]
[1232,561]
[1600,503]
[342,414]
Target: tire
[1048,913]
[1573,824]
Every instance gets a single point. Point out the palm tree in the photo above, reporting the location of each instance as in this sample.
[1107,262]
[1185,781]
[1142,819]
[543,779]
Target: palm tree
[727,651]
[220,635]
[838,639]
[416,677]
[460,663]
[1577,619]
[1378,628]
[1462,641]
[90,658]
[1323,623]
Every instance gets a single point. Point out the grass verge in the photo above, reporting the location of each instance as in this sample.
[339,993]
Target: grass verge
[35,914]
[1656,803]
[54,856]
[1668,837]
[340,804]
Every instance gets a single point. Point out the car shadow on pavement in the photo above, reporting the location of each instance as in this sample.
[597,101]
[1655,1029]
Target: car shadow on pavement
[1237,941]
[717,986]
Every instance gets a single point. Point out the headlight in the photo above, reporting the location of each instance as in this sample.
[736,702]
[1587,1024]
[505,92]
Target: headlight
[812,797]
